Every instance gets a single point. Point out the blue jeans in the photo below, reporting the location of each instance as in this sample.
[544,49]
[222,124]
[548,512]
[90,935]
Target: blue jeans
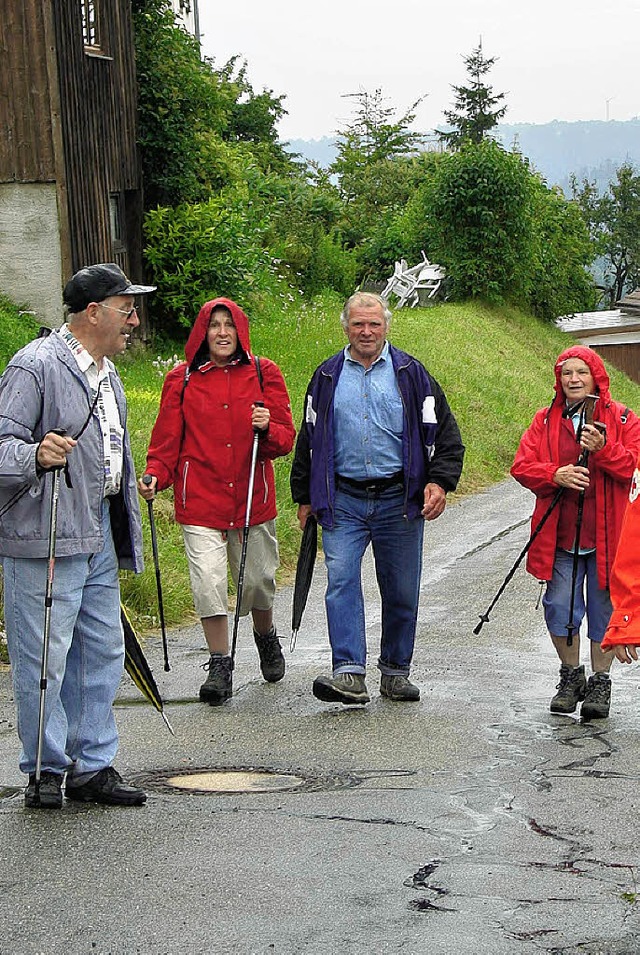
[557,597]
[362,518]
[86,654]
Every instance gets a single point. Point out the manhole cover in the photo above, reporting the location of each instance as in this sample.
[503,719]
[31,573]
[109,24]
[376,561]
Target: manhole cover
[234,781]
[242,779]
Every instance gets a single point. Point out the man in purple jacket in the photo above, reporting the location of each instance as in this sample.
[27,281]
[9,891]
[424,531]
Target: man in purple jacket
[378,450]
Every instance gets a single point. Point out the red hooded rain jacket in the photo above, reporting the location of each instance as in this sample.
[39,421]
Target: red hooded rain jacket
[610,469]
[202,440]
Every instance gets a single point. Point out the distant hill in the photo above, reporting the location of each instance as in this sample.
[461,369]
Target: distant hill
[593,149]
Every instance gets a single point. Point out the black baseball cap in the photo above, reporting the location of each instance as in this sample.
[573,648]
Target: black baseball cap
[97,282]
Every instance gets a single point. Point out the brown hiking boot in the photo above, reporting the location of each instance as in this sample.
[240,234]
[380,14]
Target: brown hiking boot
[216,689]
[270,652]
[597,699]
[571,689]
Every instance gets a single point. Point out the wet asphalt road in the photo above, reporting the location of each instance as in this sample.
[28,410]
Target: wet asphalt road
[474,822]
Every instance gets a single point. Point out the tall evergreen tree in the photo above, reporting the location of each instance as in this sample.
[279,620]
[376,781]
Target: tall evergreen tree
[476,108]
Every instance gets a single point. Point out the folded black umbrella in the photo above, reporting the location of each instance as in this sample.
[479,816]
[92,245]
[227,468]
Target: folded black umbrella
[304,575]
[136,665]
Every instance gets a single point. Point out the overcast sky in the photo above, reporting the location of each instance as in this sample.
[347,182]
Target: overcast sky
[557,59]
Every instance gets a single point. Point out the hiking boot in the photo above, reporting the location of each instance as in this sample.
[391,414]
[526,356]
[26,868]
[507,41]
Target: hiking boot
[271,659]
[571,689]
[597,699]
[106,787]
[50,794]
[347,688]
[216,689]
[398,688]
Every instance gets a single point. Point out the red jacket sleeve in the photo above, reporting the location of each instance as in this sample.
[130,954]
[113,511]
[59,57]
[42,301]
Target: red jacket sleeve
[279,439]
[624,626]
[530,467]
[166,436]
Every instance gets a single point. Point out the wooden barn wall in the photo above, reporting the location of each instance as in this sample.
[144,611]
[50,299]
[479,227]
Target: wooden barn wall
[625,357]
[98,116]
[26,143]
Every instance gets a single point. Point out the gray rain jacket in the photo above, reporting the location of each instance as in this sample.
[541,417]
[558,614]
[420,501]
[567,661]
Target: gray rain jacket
[42,389]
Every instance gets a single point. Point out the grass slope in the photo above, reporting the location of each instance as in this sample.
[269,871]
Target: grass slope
[495,365]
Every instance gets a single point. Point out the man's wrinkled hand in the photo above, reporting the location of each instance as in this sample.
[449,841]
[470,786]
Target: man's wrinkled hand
[53,450]
[304,510]
[435,500]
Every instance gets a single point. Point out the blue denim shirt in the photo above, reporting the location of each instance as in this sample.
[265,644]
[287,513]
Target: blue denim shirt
[368,419]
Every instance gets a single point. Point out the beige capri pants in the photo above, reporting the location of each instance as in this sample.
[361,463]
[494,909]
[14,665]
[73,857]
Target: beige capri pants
[207,554]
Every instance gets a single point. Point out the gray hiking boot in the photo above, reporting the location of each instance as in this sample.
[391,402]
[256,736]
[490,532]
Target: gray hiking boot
[347,688]
[271,659]
[571,689]
[597,699]
[216,689]
[398,688]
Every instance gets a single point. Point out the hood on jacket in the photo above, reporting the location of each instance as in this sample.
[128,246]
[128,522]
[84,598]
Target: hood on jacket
[595,365]
[196,346]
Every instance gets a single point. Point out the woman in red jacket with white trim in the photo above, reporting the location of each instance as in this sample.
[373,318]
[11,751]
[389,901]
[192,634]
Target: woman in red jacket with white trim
[546,461]
[201,444]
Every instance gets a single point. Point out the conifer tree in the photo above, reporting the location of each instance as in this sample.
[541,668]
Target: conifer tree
[476,107]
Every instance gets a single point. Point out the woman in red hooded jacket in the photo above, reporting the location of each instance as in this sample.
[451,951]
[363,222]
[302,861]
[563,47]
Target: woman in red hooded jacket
[547,459]
[201,443]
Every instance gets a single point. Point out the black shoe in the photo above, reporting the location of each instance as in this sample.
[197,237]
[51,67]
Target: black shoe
[217,688]
[107,787]
[571,689]
[398,688]
[597,699]
[49,795]
[271,659]
[347,688]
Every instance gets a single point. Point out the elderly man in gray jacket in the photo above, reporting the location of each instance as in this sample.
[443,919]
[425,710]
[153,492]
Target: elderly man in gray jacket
[62,405]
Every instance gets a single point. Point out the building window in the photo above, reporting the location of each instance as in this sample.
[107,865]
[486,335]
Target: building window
[116,218]
[90,23]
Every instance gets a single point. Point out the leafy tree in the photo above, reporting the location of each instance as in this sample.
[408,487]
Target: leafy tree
[199,251]
[375,135]
[371,164]
[560,281]
[477,213]
[613,220]
[476,109]
[188,111]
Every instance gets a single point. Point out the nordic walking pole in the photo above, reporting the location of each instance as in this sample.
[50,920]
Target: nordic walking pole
[48,601]
[154,547]
[567,413]
[484,617]
[586,417]
[245,537]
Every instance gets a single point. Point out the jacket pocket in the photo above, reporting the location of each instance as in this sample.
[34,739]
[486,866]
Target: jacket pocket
[185,474]
[265,494]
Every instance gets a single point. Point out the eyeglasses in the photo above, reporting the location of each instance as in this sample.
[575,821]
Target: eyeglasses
[123,311]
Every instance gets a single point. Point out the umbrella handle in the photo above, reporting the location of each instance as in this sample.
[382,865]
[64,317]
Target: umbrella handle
[146,479]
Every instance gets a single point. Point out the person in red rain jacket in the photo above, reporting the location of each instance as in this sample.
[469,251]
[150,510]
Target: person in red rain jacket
[201,444]
[623,633]
[546,461]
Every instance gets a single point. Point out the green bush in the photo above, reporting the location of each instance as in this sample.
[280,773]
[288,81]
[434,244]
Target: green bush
[202,251]
[478,215]
[560,282]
